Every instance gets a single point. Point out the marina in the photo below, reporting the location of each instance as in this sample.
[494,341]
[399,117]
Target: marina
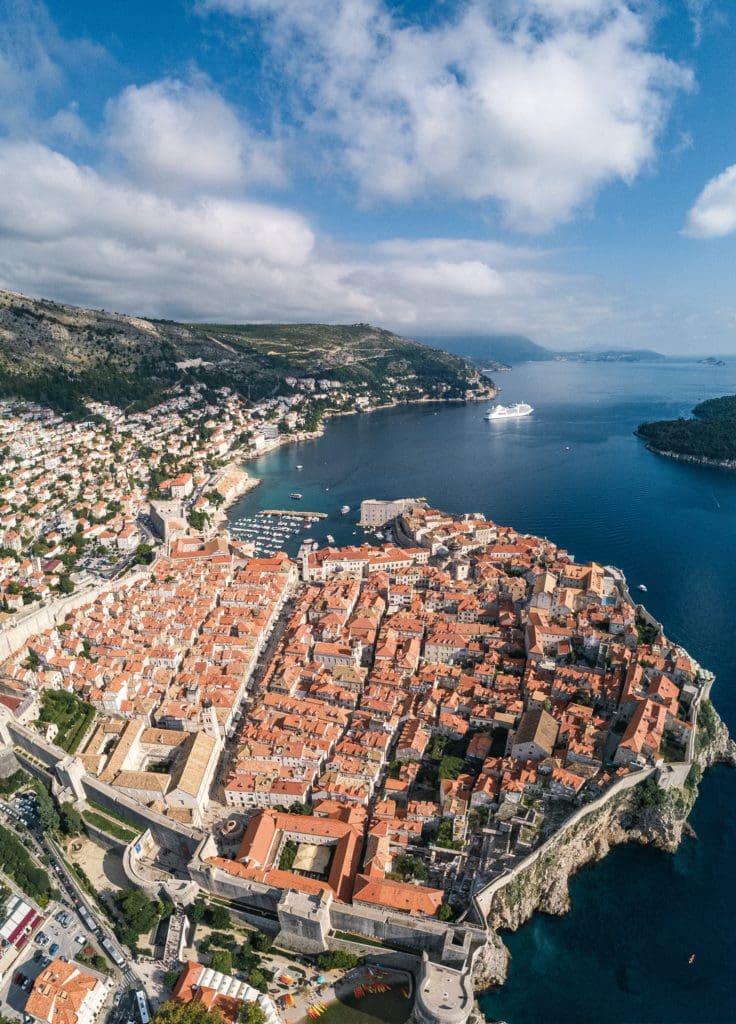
[270,531]
[292,512]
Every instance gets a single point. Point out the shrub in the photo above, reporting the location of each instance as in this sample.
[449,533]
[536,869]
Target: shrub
[222,961]
[261,942]
[336,959]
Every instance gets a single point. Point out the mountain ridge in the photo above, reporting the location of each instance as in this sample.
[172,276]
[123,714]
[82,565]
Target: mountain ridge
[63,354]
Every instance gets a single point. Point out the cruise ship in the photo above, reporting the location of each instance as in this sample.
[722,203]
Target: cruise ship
[504,412]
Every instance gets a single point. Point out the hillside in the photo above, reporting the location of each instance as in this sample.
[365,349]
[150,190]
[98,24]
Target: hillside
[708,436]
[487,349]
[503,350]
[60,354]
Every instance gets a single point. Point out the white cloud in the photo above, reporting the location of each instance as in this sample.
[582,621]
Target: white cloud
[69,232]
[714,212]
[175,135]
[536,105]
[34,61]
[47,198]
[699,11]
[66,125]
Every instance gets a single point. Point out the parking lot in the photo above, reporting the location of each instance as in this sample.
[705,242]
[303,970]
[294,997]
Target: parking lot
[21,816]
[37,953]
[23,808]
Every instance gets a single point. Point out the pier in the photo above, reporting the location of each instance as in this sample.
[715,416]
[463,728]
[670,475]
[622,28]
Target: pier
[293,512]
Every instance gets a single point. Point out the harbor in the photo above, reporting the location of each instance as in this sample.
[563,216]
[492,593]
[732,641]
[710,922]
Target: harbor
[270,530]
[290,512]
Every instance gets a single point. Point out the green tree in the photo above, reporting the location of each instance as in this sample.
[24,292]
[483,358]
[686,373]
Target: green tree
[172,1012]
[261,942]
[143,554]
[222,961]
[198,910]
[139,913]
[245,959]
[71,820]
[257,979]
[66,584]
[406,867]
[450,767]
[198,520]
[251,1013]
[218,917]
[47,813]
[171,978]
[288,855]
[444,912]
[336,959]
[649,796]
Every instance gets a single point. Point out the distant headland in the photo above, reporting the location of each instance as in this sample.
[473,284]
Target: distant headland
[708,437]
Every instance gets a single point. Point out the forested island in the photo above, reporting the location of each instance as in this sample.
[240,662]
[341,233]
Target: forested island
[709,436]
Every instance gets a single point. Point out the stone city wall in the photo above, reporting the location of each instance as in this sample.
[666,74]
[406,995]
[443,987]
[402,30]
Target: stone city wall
[47,616]
[483,899]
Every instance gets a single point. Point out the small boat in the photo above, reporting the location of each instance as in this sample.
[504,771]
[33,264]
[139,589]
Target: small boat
[295,495]
[643,587]
[300,467]
[692,959]
[345,509]
[330,539]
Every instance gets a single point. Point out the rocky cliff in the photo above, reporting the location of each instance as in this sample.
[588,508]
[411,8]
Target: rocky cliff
[644,814]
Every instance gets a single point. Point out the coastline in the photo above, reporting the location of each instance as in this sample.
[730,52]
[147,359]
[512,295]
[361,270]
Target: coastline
[313,435]
[611,823]
[541,883]
[700,460]
[243,483]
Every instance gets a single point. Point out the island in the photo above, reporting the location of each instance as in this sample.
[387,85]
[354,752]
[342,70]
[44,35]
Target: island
[708,437]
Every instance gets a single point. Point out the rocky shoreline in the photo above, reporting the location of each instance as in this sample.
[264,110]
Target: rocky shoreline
[622,819]
[699,460]
[238,482]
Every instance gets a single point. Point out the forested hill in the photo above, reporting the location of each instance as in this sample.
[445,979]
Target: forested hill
[493,349]
[710,433]
[60,354]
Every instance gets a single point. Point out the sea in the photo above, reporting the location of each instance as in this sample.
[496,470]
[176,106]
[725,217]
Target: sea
[574,472]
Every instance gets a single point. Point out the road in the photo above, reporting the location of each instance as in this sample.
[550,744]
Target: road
[70,938]
[73,898]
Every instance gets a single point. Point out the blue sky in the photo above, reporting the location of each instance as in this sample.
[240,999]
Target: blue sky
[560,168]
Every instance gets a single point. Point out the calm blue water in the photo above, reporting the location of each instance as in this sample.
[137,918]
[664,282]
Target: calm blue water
[574,472]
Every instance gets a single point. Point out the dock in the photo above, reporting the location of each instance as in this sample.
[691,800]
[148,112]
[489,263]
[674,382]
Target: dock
[293,512]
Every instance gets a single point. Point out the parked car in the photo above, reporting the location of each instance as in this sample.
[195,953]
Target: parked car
[54,948]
